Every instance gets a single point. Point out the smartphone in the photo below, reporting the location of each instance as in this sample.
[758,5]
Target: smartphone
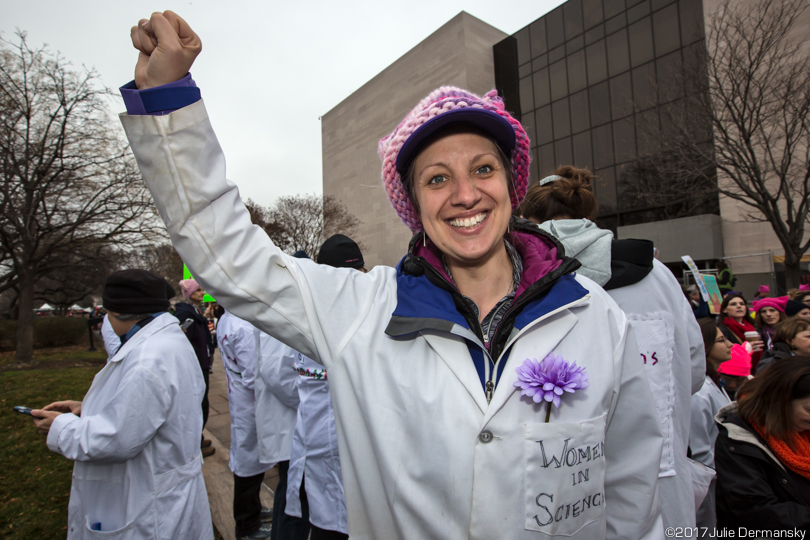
[23,410]
[186,324]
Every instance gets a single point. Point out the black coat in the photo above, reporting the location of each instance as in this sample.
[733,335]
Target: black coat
[198,333]
[754,490]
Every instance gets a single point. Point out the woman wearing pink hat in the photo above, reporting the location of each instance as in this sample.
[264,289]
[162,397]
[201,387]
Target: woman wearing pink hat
[769,311]
[481,389]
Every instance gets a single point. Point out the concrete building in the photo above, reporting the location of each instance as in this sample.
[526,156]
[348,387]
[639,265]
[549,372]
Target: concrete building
[458,54]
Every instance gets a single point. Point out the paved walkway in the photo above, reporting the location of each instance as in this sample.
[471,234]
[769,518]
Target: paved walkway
[218,477]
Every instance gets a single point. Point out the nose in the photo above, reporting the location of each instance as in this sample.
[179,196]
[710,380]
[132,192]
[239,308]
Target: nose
[466,193]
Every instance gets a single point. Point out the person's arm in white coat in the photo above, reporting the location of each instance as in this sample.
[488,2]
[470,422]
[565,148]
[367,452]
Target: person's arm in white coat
[697,351]
[701,441]
[633,446]
[122,429]
[244,347]
[276,369]
[312,308]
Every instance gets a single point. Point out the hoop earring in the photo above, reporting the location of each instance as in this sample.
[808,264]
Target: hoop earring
[424,239]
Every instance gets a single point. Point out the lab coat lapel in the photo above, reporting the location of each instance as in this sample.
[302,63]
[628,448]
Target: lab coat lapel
[555,328]
[453,351]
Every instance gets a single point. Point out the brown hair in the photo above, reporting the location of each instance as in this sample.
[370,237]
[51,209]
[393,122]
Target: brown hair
[709,331]
[759,323]
[572,197]
[788,329]
[767,400]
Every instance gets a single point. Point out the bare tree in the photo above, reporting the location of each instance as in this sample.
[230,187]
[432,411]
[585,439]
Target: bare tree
[303,222]
[750,86]
[68,183]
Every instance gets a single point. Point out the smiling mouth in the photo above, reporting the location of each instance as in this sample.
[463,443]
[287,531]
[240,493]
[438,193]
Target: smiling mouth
[470,222]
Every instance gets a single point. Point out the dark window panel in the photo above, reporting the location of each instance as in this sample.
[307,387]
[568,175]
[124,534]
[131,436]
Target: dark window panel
[641,42]
[599,101]
[556,54]
[572,12]
[523,51]
[630,196]
[545,161]
[670,77]
[608,222]
[672,116]
[562,152]
[559,80]
[616,23]
[537,33]
[666,30]
[528,124]
[562,119]
[618,55]
[592,13]
[613,8]
[542,93]
[577,76]
[540,62]
[544,130]
[526,101]
[506,73]
[691,20]
[605,184]
[525,70]
[597,62]
[594,34]
[555,31]
[624,140]
[575,44]
[658,4]
[637,12]
[582,151]
[580,116]
[644,87]
[621,97]
[693,58]
[648,133]
[534,167]
[602,146]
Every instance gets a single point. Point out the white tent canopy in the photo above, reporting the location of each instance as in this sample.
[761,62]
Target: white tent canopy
[44,307]
[76,307]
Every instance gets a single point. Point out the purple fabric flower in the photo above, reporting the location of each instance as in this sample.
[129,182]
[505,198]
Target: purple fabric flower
[547,380]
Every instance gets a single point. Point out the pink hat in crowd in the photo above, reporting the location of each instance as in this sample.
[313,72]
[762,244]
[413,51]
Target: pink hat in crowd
[804,287]
[447,106]
[740,363]
[764,289]
[188,287]
[776,303]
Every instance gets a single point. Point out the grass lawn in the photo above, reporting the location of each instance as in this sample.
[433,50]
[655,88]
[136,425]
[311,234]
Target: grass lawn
[73,354]
[34,482]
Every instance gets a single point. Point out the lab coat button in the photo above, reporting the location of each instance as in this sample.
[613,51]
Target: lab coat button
[485,436]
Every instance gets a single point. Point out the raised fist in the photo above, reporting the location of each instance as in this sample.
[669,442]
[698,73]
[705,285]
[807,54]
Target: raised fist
[167,47]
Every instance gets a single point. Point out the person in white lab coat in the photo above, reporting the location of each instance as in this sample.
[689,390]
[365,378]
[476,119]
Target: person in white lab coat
[110,338]
[669,338]
[134,436]
[434,367]
[237,346]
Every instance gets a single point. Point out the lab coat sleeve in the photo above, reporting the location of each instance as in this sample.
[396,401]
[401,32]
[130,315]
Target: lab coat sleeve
[633,446]
[276,369]
[700,440]
[122,429]
[696,350]
[312,308]
[244,346]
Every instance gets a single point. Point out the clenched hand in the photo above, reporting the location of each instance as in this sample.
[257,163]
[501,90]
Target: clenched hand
[167,47]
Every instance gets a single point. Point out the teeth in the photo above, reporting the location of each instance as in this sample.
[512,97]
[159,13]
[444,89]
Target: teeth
[469,222]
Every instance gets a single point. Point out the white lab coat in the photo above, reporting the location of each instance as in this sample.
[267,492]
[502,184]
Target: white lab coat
[276,398]
[111,339]
[705,405]
[315,457]
[672,351]
[237,347]
[423,454]
[138,467]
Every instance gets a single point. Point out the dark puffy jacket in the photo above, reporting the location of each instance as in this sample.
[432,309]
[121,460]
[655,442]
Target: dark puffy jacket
[198,333]
[754,489]
[779,351]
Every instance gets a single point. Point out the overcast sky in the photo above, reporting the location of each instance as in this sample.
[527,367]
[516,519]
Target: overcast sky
[268,70]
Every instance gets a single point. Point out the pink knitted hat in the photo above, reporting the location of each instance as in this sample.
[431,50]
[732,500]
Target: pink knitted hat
[764,289]
[776,303]
[740,363]
[188,287]
[441,101]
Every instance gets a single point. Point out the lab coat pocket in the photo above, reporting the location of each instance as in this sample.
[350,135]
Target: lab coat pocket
[564,475]
[124,533]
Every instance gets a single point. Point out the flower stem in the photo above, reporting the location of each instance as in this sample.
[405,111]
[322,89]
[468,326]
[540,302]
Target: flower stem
[548,411]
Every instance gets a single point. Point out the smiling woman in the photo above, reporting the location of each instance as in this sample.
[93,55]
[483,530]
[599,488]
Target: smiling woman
[436,440]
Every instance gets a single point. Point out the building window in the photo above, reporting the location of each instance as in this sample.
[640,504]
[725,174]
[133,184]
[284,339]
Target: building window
[618,55]
[667,32]
[641,42]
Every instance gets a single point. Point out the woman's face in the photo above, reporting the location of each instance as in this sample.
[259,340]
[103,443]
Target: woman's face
[801,414]
[694,296]
[720,351]
[806,300]
[197,296]
[801,343]
[463,197]
[804,314]
[769,315]
[736,308]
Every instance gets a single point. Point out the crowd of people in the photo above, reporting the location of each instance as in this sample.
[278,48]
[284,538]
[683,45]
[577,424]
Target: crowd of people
[519,374]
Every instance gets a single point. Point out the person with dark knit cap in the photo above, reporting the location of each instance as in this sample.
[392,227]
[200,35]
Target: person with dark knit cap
[134,436]
[341,252]
[797,309]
